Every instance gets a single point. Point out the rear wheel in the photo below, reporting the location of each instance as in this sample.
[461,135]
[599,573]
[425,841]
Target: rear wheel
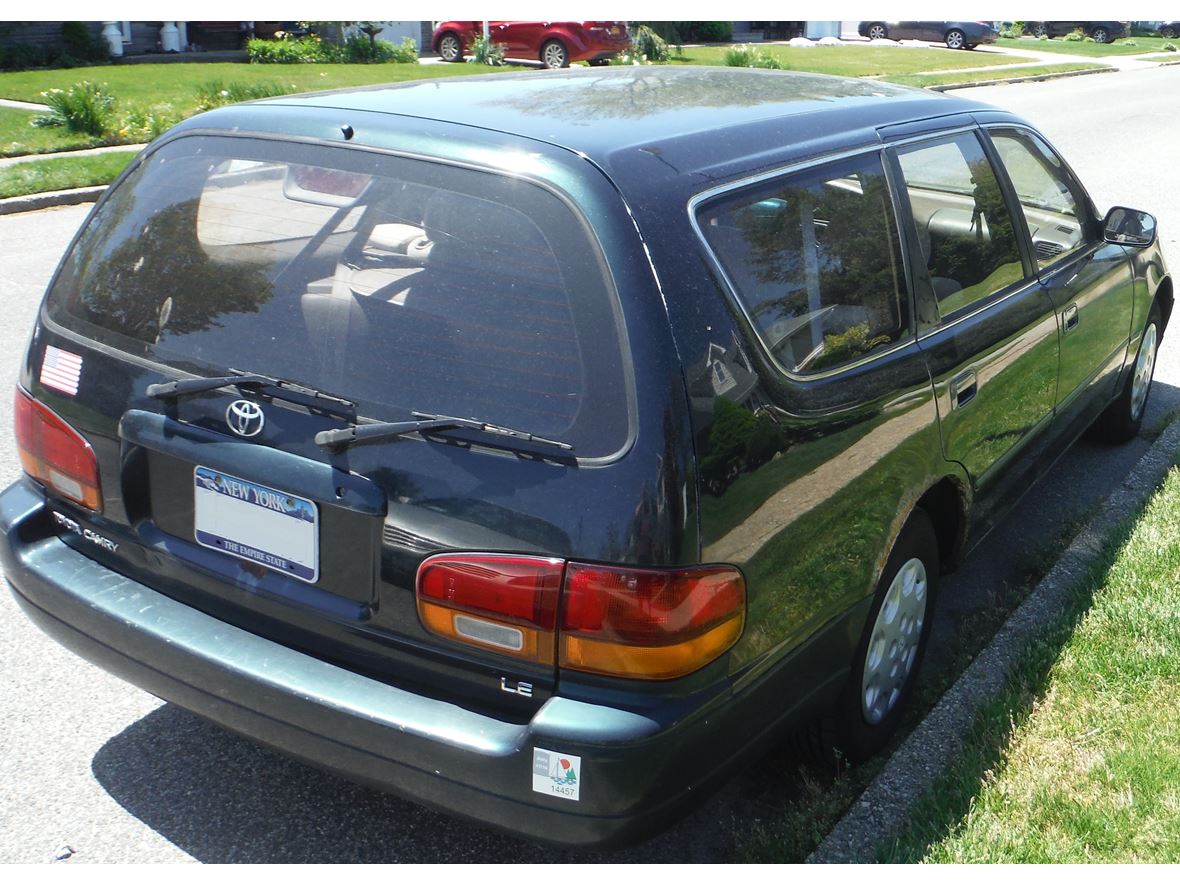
[891,649]
[554,55]
[1039,29]
[450,47]
[1101,35]
[878,31]
[955,39]
[1123,418]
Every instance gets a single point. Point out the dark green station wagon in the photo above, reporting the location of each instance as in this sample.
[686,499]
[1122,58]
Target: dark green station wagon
[545,447]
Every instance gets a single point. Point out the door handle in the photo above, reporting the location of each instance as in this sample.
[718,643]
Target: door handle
[1069,317]
[963,389]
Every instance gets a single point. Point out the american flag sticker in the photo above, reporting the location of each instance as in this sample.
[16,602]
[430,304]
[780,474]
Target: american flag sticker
[61,370]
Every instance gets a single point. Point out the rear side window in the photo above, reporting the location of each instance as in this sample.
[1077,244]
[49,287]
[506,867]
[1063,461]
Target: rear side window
[814,261]
[404,285]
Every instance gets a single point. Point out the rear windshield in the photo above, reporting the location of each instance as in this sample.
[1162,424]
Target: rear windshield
[401,284]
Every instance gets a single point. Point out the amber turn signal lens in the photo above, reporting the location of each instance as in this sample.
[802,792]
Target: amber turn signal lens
[55,454]
[649,623]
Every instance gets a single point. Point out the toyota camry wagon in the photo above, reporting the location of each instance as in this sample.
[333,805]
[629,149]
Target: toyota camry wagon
[543,449]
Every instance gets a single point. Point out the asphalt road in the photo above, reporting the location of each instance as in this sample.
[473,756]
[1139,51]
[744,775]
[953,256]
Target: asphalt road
[96,765]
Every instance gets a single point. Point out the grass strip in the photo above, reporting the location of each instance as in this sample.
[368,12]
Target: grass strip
[852,61]
[176,85]
[1078,759]
[61,173]
[1123,46]
[952,77]
[18,136]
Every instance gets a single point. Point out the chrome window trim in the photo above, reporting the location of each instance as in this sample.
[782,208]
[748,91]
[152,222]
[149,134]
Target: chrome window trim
[984,305]
[731,290]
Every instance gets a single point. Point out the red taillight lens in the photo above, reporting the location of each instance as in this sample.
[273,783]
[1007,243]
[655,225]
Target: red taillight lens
[55,454]
[649,623]
[639,623]
[503,602]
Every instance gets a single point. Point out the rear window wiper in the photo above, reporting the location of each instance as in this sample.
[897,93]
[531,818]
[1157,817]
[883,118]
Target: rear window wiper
[188,386]
[426,423]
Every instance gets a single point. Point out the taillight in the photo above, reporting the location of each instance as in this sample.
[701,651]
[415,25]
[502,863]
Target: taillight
[55,454]
[649,623]
[501,602]
[638,623]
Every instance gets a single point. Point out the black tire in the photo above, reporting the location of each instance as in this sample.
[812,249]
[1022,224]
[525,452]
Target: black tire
[878,31]
[1123,417]
[955,39]
[859,729]
[554,55]
[450,47]
[1168,32]
[1038,29]
[1101,35]
[599,62]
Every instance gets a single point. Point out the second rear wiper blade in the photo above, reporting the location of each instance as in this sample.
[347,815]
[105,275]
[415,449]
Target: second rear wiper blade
[425,423]
[188,386]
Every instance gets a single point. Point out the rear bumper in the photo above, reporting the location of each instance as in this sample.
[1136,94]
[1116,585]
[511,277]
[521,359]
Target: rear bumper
[636,769]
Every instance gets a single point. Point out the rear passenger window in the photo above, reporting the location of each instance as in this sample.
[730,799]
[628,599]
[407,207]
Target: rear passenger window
[963,225]
[814,262]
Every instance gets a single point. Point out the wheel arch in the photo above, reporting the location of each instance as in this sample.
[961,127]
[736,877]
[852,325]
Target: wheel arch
[946,503]
[1164,298]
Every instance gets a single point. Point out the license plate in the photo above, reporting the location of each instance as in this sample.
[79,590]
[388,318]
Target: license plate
[256,523]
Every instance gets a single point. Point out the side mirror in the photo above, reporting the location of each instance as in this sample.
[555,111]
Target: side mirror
[1129,227]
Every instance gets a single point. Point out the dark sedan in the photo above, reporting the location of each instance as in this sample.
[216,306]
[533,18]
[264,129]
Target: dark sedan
[1100,32]
[956,35]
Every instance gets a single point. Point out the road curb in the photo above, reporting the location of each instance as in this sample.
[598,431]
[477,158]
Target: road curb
[884,808]
[1060,75]
[49,199]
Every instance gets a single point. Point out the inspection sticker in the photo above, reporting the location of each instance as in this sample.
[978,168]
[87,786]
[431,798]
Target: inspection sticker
[557,774]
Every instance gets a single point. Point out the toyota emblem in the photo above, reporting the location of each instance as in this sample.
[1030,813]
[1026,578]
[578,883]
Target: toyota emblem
[245,418]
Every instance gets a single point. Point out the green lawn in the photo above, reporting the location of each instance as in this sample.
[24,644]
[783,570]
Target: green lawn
[148,85]
[857,61]
[1079,759]
[1125,46]
[18,137]
[60,173]
[983,76]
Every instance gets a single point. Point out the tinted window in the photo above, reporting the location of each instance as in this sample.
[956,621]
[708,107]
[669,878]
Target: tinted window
[814,261]
[1049,196]
[963,225]
[403,284]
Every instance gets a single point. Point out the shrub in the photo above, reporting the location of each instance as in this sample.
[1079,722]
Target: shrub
[710,32]
[748,56]
[80,43]
[485,52]
[1169,47]
[406,53]
[651,46]
[1130,43]
[285,51]
[215,93]
[1014,29]
[85,108]
[140,124]
[1074,36]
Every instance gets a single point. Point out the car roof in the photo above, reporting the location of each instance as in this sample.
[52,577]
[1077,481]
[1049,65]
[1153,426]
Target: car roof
[652,129]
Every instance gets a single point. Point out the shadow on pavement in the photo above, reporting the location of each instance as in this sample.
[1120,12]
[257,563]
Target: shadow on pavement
[224,799]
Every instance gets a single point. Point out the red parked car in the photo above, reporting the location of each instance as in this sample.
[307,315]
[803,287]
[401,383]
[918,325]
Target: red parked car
[554,44]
